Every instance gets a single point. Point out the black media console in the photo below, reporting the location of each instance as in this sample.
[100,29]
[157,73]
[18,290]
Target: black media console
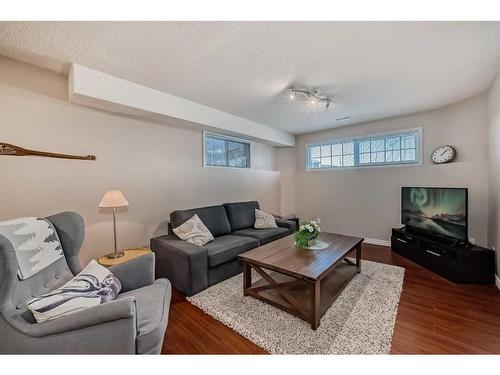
[458,262]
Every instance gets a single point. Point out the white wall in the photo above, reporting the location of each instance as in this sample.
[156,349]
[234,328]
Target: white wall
[157,167]
[366,201]
[287,164]
[494,165]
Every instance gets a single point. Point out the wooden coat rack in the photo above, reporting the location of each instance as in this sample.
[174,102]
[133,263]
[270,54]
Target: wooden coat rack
[12,150]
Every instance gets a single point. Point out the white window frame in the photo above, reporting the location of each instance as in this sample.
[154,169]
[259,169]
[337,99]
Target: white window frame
[356,139]
[230,138]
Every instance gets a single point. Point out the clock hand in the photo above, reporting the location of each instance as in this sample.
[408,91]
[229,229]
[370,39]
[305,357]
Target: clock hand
[443,152]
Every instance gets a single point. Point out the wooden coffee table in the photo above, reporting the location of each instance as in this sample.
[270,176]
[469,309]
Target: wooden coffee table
[304,283]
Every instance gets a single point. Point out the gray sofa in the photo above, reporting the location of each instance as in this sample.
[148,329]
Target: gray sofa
[191,268]
[133,323]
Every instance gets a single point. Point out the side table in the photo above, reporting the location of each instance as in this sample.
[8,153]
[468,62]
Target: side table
[129,254]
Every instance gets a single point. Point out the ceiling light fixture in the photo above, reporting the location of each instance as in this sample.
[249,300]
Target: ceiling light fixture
[311,97]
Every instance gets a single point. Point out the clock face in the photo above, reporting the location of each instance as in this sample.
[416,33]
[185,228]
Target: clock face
[443,154]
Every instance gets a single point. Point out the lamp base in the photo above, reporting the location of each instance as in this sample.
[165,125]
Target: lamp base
[115,255]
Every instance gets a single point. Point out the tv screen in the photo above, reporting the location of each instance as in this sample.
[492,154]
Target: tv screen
[442,211]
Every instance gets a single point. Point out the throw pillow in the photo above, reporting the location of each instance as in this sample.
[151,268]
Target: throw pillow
[263,220]
[194,231]
[94,285]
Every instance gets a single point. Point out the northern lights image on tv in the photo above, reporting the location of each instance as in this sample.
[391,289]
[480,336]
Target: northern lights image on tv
[439,210]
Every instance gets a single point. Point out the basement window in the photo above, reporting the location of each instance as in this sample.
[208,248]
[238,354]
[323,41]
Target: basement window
[395,148]
[224,151]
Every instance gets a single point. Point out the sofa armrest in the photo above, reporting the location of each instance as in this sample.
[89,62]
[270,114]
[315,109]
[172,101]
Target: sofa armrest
[290,224]
[135,273]
[104,313]
[183,263]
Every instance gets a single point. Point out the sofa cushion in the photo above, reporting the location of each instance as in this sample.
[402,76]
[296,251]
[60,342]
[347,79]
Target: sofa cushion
[263,220]
[194,231]
[226,248]
[241,214]
[214,218]
[263,235]
[152,303]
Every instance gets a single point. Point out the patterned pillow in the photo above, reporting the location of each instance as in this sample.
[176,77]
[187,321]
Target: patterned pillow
[94,285]
[264,220]
[194,231]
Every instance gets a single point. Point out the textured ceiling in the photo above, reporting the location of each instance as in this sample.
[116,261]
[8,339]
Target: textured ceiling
[373,70]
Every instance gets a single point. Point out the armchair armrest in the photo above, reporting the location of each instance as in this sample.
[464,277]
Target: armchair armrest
[135,273]
[183,263]
[124,308]
[290,224]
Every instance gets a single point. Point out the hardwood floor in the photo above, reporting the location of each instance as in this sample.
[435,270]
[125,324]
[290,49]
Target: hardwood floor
[434,316]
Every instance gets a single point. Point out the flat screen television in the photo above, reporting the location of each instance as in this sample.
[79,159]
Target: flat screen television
[441,211]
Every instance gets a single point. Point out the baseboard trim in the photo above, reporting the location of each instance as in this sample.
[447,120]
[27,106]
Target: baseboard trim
[497,281]
[374,241]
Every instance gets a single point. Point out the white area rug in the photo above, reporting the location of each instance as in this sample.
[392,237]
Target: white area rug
[360,321]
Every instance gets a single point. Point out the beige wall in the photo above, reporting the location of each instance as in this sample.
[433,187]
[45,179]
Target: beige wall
[286,163]
[157,167]
[494,164]
[366,201]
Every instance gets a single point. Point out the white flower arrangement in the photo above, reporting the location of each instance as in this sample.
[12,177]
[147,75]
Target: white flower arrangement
[308,231]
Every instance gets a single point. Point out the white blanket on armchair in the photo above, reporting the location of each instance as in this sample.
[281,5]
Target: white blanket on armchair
[35,242]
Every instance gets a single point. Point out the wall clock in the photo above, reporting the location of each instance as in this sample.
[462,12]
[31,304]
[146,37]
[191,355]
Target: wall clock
[443,154]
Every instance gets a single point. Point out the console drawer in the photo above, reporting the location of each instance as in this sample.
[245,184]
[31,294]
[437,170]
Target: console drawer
[407,248]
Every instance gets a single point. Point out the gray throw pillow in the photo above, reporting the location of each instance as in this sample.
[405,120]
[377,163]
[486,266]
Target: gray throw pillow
[194,231]
[263,220]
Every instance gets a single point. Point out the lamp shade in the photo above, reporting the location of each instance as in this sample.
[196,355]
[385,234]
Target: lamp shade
[113,198]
